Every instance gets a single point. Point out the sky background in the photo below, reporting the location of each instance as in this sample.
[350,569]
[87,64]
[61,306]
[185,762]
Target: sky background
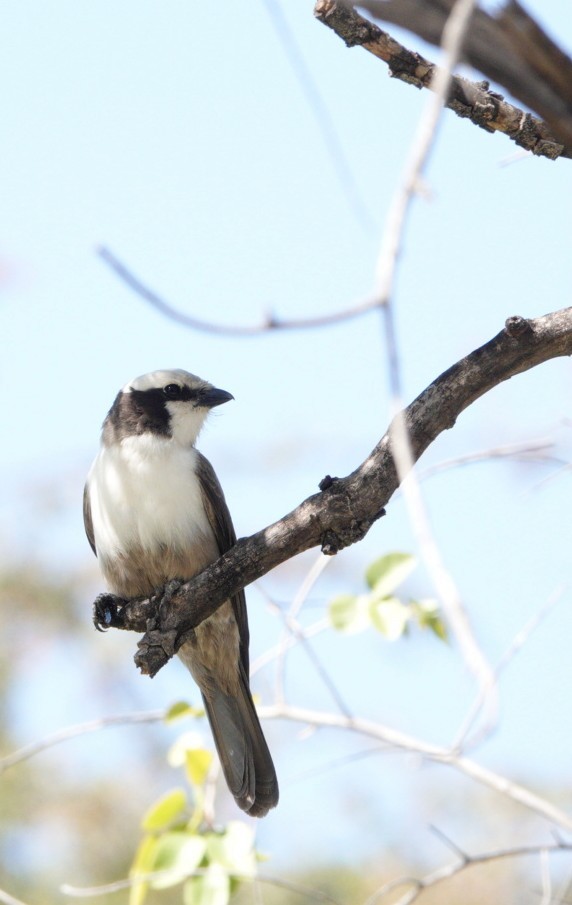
[181,137]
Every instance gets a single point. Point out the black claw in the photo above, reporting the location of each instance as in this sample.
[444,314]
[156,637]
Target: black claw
[106,609]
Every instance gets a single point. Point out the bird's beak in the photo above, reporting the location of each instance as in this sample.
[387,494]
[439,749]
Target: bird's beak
[211,397]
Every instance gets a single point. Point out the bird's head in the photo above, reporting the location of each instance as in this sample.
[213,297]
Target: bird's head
[172,404]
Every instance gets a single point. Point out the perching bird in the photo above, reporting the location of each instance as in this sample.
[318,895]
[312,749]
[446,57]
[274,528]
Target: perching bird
[155,511]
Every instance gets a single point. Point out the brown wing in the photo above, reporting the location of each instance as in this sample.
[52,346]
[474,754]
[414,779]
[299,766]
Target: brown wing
[221,523]
[87,522]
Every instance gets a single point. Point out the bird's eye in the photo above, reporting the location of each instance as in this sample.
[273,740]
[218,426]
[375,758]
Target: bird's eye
[172,391]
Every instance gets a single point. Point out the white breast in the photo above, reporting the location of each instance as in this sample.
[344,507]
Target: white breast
[144,492]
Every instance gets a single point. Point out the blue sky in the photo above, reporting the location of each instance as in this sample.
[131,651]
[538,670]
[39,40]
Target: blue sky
[179,137]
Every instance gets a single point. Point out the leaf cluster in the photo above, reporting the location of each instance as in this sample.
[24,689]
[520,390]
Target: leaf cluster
[381,608]
[179,847]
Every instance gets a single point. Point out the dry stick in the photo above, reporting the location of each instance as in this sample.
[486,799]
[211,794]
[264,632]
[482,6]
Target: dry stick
[469,100]
[391,246]
[465,861]
[64,735]
[270,322]
[506,45]
[436,753]
[532,451]
[295,635]
[462,740]
[545,877]
[7,899]
[347,507]
[118,885]
[294,628]
[322,117]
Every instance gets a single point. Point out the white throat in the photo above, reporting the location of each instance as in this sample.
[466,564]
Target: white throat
[186,422]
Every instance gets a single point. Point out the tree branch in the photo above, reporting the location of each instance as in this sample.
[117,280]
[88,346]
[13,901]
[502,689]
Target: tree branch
[507,46]
[269,323]
[431,752]
[342,513]
[469,100]
[465,861]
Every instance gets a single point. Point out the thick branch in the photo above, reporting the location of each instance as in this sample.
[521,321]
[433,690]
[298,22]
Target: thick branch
[345,509]
[469,100]
[507,46]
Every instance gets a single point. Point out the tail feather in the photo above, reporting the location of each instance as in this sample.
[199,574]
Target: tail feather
[242,749]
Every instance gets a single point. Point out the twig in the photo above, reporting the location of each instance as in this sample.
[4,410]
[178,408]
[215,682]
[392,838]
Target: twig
[461,741]
[322,117]
[7,899]
[545,877]
[291,621]
[391,246]
[64,735]
[461,854]
[298,635]
[85,892]
[294,628]
[272,653]
[445,873]
[421,147]
[524,452]
[401,740]
[194,323]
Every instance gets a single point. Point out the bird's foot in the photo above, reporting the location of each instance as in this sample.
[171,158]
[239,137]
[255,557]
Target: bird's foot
[107,612]
[166,593]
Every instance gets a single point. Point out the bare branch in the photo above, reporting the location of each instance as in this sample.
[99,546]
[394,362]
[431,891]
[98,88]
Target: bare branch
[269,323]
[91,891]
[342,513]
[507,46]
[532,451]
[462,741]
[392,241]
[7,899]
[64,735]
[322,117]
[469,100]
[435,753]
[445,873]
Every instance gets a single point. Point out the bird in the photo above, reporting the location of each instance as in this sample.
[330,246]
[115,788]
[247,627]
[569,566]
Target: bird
[154,511]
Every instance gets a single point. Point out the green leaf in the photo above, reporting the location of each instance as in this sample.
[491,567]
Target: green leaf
[178,854]
[349,613]
[165,811]
[212,888]
[390,617]
[197,764]
[187,741]
[389,571]
[142,864]
[428,615]
[233,849]
[181,709]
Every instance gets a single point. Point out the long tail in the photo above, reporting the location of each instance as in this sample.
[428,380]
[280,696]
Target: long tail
[242,749]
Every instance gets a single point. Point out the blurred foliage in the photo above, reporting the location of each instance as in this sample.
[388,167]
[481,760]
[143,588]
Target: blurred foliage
[180,847]
[381,608]
[75,818]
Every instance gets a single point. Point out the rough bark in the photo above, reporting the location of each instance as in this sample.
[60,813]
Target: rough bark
[345,508]
[469,100]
